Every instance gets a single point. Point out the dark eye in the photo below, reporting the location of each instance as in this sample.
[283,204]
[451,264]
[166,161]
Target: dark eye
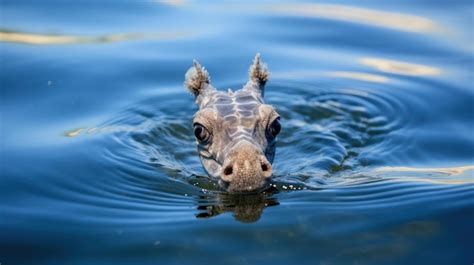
[201,133]
[274,128]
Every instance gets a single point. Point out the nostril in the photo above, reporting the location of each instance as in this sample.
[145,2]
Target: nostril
[266,168]
[228,170]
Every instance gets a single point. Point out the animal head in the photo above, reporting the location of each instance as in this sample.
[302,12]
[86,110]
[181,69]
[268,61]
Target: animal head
[235,131]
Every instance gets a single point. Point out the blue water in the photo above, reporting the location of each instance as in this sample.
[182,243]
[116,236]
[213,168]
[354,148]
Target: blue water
[374,164]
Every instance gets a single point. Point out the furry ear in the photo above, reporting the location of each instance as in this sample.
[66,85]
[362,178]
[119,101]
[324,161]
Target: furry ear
[197,79]
[258,72]
[258,76]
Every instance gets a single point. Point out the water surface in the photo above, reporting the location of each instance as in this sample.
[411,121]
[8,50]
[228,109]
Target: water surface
[374,164]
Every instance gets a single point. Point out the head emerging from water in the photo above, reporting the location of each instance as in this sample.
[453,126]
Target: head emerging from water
[235,131]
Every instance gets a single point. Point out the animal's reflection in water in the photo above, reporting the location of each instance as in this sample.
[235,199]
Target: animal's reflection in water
[246,208]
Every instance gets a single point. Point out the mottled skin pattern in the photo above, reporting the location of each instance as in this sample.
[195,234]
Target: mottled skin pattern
[235,131]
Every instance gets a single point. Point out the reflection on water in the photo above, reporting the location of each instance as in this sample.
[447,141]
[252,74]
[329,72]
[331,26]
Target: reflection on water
[177,3]
[372,17]
[452,175]
[42,39]
[104,129]
[359,76]
[447,170]
[73,133]
[246,208]
[398,67]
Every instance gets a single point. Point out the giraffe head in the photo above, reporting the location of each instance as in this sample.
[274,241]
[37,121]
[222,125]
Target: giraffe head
[235,131]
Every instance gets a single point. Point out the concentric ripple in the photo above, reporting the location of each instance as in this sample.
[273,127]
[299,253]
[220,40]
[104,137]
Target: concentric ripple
[328,134]
[332,137]
[332,132]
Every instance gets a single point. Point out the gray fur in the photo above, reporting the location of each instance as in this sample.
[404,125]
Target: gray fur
[237,124]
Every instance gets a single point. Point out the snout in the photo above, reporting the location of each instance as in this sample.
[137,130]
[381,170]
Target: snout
[245,169]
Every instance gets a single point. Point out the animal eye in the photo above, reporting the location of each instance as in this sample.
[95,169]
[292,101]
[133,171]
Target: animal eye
[275,127]
[201,133]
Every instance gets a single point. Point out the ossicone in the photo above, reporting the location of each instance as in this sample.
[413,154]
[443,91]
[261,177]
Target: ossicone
[197,79]
[258,71]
